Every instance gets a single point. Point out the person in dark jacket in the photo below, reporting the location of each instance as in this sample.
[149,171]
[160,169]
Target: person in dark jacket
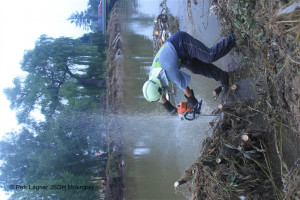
[182,50]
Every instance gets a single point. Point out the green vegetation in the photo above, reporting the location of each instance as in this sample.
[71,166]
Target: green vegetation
[65,81]
[53,66]
[113,165]
[86,19]
[65,189]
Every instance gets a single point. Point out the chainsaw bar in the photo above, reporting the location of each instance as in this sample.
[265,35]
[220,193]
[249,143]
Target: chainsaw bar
[190,113]
[203,117]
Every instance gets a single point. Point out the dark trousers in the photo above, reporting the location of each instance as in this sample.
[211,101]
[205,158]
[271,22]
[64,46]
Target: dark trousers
[197,57]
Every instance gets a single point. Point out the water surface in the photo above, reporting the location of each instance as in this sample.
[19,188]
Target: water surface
[157,147]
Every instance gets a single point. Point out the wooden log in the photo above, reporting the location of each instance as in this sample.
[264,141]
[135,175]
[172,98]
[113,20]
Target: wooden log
[234,87]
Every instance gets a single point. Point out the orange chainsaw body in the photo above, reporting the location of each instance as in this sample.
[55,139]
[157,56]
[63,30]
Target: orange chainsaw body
[183,108]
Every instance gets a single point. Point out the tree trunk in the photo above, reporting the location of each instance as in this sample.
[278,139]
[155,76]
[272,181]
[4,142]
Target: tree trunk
[92,82]
[86,82]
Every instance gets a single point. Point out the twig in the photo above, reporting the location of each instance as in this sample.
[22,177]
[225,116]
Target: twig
[293,60]
[292,21]
[210,151]
[278,192]
[296,164]
[269,104]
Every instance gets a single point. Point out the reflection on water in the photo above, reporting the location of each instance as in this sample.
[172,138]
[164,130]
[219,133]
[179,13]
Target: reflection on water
[157,151]
[141,151]
[157,147]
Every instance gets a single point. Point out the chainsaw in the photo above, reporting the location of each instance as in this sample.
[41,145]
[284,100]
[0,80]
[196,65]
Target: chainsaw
[187,111]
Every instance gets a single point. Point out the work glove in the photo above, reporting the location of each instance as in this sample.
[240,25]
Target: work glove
[170,108]
[192,100]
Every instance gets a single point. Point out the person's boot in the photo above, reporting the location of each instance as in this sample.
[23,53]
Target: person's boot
[225,81]
[223,87]
[217,92]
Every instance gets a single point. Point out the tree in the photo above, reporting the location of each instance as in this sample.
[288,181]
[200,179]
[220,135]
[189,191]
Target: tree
[50,65]
[86,18]
[65,78]
[64,143]
[82,19]
[65,185]
[17,152]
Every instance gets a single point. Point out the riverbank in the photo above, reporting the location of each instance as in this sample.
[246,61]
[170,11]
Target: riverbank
[114,95]
[253,152]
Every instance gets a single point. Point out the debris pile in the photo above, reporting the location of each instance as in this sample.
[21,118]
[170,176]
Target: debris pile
[270,47]
[233,162]
[165,25]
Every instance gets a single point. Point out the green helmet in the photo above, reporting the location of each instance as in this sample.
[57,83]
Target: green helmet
[153,89]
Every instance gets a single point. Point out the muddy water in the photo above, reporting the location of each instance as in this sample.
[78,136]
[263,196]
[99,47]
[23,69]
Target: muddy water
[157,147]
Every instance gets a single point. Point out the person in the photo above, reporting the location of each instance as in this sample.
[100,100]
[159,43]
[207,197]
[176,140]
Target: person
[182,50]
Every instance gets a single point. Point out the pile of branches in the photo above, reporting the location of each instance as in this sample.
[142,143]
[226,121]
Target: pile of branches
[233,162]
[268,26]
[269,44]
